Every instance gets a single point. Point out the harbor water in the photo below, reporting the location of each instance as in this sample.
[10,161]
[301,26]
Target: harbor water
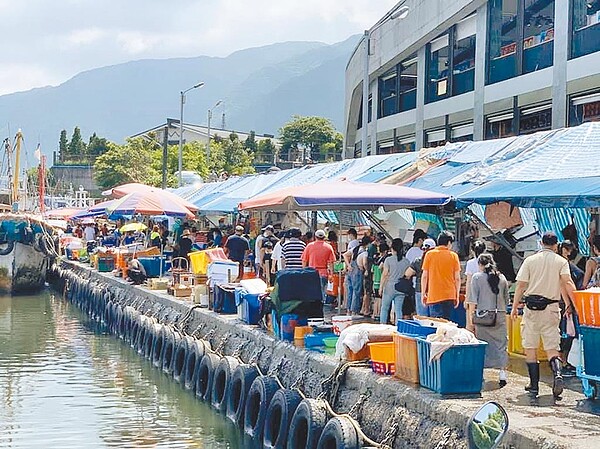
[64,383]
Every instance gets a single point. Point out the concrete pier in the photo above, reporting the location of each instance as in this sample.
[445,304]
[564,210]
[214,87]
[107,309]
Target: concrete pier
[424,419]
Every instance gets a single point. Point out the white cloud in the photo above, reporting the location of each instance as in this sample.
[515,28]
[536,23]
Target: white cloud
[64,37]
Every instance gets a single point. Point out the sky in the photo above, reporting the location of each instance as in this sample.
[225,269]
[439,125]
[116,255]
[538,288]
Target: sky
[46,42]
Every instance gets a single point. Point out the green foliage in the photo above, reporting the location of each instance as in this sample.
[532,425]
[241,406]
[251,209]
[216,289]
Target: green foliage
[132,162]
[63,144]
[231,156]
[33,177]
[265,152]
[97,145]
[194,159]
[76,145]
[314,137]
[250,143]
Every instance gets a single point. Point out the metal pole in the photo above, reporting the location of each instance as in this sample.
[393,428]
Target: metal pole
[165,156]
[180,166]
[365,95]
[208,144]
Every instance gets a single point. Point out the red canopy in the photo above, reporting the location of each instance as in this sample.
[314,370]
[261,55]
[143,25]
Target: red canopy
[125,189]
[147,204]
[345,195]
[63,213]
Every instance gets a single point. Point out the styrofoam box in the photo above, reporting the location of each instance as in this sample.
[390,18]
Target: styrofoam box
[254,286]
[222,271]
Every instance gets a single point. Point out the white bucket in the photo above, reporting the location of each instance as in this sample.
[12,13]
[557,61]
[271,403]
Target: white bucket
[341,322]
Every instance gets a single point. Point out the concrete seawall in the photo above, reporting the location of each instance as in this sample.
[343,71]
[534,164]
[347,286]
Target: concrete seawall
[423,419]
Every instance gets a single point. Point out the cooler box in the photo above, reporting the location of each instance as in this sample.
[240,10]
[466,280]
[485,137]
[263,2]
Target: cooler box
[222,272]
[383,358]
[250,307]
[224,301]
[151,265]
[458,371]
[590,336]
[407,359]
[587,303]
[106,264]
[299,285]
[202,259]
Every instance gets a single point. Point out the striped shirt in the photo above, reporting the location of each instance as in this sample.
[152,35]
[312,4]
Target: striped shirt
[291,252]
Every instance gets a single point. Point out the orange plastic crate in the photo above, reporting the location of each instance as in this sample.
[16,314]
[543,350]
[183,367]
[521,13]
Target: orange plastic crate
[383,357]
[407,358]
[587,304]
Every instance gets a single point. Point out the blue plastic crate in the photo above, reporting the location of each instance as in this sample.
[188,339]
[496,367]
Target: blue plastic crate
[458,371]
[412,327]
[591,356]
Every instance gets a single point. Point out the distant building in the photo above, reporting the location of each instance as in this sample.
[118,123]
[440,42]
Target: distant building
[196,133]
[457,70]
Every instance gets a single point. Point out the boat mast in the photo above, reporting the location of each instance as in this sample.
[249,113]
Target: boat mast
[15,186]
[42,181]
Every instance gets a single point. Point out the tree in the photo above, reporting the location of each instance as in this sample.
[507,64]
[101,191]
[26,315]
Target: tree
[266,152]
[77,145]
[63,145]
[97,145]
[250,143]
[132,162]
[310,138]
[194,159]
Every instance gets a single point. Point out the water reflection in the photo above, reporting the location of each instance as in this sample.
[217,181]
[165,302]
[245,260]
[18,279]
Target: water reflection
[64,383]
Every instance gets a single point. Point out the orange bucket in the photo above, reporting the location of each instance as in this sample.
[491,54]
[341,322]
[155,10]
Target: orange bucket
[383,357]
[587,303]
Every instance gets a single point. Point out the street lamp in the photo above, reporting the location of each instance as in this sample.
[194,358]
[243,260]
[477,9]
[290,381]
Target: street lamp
[210,111]
[399,12]
[180,166]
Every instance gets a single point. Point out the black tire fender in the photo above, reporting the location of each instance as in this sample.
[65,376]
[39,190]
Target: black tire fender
[149,340]
[279,415]
[10,245]
[241,381]
[192,362]
[179,358]
[307,424]
[171,342]
[206,372]
[259,398]
[158,343]
[222,382]
[339,433]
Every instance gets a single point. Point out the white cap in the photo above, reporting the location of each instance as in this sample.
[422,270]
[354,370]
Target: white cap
[429,243]
[320,234]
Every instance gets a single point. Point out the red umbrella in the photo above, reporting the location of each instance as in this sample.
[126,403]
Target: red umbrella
[134,187]
[63,213]
[345,195]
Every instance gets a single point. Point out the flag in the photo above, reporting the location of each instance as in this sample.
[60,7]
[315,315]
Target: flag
[38,153]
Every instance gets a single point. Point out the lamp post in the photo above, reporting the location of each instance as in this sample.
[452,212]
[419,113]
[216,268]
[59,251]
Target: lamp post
[399,12]
[180,166]
[210,111]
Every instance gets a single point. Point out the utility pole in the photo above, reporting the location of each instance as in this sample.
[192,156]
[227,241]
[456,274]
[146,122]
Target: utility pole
[165,155]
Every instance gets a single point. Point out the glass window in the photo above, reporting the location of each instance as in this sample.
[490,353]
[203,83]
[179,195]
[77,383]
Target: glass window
[586,27]
[499,126]
[464,65]
[436,138]
[370,109]
[408,83]
[438,69]
[538,35]
[387,94]
[585,109]
[535,119]
[503,35]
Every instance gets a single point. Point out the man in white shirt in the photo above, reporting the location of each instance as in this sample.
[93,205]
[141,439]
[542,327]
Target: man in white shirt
[89,233]
[278,253]
[353,241]
[416,250]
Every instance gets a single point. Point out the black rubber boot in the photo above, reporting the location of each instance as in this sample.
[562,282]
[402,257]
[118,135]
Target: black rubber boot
[559,384]
[534,378]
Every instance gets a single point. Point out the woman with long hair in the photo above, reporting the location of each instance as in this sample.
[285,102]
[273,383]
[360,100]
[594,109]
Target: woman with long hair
[489,295]
[394,268]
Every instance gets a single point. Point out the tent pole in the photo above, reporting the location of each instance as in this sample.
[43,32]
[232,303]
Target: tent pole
[340,284]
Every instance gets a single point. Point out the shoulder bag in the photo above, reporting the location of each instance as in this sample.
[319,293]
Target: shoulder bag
[486,318]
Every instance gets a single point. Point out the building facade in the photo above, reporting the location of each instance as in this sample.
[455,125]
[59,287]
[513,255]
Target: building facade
[455,70]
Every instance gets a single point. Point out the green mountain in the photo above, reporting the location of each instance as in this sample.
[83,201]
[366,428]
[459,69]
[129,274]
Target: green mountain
[261,89]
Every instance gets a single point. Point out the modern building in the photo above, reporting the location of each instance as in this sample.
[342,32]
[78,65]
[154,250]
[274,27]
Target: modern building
[451,70]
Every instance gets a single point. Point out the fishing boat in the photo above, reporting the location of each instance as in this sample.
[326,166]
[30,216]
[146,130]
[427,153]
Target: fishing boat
[26,241]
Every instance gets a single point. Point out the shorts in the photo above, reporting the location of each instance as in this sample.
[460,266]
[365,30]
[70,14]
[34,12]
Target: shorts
[541,324]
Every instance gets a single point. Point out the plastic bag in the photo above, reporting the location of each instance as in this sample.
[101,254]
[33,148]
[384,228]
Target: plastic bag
[574,357]
[571,332]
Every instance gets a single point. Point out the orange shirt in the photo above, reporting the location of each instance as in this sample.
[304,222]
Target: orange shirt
[318,255]
[441,265]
